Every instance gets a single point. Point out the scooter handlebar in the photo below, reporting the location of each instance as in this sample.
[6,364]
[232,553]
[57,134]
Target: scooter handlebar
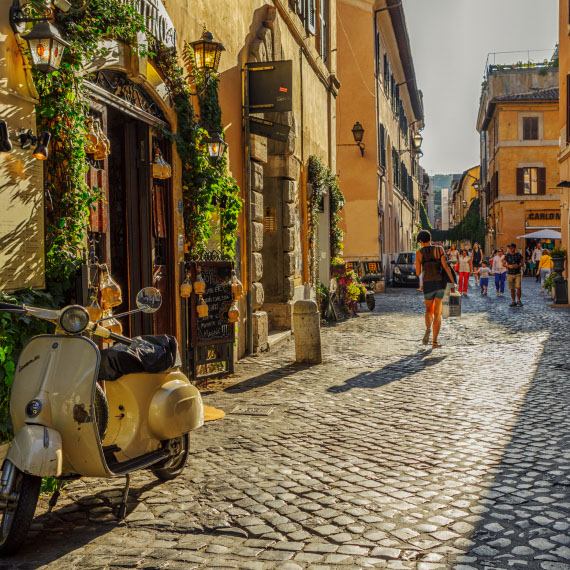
[11,308]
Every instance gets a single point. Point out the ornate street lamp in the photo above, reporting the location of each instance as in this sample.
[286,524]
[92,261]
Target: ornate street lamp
[46,46]
[217,147]
[358,134]
[207,52]
[417,139]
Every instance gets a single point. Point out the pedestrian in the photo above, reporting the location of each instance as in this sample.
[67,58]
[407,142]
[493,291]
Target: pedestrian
[500,272]
[465,270]
[536,255]
[528,261]
[515,264]
[483,273]
[545,266]
[477,258]
[431,261]
[453,256]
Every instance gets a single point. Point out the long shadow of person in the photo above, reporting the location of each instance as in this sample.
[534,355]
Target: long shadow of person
[403,368]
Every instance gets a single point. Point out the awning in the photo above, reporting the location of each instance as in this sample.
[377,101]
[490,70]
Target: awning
[542,234]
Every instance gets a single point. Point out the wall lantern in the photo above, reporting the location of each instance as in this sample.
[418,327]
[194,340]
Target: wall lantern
[207,52]
[46,46]
[417,139]
[358,134]
[217,147]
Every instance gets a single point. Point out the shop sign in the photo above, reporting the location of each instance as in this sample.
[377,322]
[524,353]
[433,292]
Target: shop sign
[270,86]
[542,216]
[157,20]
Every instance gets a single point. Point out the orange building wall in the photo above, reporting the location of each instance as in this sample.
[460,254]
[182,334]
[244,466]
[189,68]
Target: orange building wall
[356,102]
[511,210]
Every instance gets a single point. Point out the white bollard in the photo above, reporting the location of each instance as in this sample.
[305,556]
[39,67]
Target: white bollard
[307,330]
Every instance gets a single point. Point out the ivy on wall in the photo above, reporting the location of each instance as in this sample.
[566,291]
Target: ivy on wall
[322,180]
[63,111]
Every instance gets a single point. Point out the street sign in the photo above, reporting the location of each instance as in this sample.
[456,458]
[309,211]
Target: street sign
[270,86]
[269,129]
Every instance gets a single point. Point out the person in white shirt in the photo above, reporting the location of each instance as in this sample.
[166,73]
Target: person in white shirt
[536,255]
[500,271]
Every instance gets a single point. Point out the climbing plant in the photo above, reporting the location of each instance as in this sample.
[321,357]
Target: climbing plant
[323,180]
[63,110]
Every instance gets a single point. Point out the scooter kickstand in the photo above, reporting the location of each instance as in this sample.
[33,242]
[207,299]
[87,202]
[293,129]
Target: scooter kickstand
[123,506]
[54,498]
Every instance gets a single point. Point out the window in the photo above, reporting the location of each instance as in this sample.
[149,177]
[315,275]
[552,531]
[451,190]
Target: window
[323,30]
[531,181]
[386,74]
[382,157]
[530,128]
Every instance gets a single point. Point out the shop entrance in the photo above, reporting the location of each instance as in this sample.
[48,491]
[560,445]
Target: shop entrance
[135,235]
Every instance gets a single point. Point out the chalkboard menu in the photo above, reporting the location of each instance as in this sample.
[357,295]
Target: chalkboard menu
[212,337]
[218,297]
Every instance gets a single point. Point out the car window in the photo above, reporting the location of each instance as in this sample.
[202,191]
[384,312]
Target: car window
[408,258]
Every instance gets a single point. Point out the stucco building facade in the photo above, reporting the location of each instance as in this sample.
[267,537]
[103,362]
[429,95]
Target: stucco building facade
[379,90]
[272,254]
[518,125]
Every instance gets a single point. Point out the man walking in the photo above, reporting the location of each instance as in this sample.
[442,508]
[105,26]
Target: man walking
[514,262]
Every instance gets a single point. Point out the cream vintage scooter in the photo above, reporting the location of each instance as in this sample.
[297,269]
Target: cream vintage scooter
[69,424]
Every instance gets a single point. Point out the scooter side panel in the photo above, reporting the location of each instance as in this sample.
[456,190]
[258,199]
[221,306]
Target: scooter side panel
[37,450]
[60,371]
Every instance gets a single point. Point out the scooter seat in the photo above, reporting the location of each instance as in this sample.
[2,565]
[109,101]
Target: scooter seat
[148,353]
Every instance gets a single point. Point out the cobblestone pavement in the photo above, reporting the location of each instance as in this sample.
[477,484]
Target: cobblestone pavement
[388,455]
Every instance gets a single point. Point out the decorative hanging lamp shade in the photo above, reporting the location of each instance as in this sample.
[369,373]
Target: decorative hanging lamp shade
[217,147]
[418,141]
[46,46]
[207,52]
[358,132]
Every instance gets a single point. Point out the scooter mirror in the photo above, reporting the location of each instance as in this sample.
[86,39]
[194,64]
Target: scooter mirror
[149,300]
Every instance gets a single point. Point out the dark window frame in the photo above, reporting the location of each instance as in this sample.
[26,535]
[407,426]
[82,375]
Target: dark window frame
[531,128]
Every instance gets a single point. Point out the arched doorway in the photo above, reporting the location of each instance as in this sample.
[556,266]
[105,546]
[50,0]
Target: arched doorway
[131,225]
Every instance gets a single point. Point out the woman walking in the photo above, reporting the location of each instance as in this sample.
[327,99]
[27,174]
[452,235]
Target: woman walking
[465,270]
[500,271]
[477,258]
[545,266]
[453,256]
[430,259]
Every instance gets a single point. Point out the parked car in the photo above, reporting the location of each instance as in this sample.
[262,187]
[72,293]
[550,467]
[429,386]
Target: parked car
[404,270]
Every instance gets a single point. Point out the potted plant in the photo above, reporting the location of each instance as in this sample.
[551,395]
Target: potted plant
[548,284]
[558,257]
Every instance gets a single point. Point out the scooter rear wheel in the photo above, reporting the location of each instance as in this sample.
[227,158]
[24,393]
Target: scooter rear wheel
[18,514]
[172,467]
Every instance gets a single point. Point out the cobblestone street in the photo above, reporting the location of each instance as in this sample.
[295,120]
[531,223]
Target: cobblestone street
[388,455]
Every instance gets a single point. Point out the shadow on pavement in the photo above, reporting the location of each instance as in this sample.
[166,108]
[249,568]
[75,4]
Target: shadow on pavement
[57,536]
[525,512]
[266,378]
[403,368]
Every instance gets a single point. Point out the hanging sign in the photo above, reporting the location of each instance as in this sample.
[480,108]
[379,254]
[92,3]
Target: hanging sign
[157,20]
[269,129]
[270,86]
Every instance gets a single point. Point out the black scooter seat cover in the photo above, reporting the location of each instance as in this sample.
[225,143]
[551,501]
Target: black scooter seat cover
[145,354]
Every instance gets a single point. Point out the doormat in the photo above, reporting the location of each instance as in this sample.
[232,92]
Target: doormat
[253,410]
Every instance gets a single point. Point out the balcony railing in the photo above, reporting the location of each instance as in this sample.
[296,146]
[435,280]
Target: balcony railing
[514,60]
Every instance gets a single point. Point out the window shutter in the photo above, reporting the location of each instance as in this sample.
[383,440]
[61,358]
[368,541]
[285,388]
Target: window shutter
[323,32]
[520,181]
[382,146]
[311,17]
[541,180]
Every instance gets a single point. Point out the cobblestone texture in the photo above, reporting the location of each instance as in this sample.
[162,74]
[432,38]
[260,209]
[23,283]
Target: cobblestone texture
[388,455]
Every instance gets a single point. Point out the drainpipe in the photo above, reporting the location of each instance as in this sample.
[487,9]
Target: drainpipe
[248,220]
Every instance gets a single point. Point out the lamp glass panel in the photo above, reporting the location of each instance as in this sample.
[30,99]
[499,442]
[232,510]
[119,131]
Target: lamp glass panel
[41,51]
[56,54]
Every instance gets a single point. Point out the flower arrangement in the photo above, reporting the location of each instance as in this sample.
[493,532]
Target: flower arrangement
[351,290]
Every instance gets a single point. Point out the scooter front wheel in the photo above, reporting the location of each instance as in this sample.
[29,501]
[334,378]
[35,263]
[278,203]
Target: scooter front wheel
[18,511]
[172,467]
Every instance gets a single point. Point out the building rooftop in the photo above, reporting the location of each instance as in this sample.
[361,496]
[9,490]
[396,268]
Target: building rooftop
[551,94]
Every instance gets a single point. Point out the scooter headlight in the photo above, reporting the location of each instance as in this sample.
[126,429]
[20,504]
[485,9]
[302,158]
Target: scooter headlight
[397,271]
[74,319]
